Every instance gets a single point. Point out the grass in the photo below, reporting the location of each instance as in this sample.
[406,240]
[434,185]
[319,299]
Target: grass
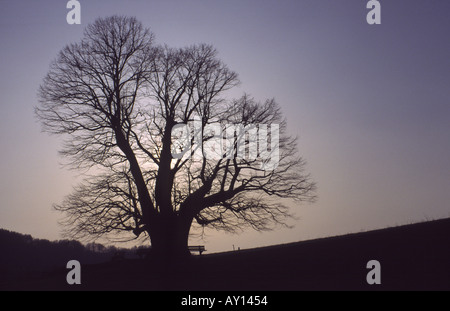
[412,257]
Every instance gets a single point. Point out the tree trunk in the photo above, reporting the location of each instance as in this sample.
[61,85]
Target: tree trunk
[169,236]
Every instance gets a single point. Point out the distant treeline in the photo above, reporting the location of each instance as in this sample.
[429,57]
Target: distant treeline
[23,256]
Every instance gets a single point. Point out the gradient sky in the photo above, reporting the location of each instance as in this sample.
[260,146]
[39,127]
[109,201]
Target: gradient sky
[370,103]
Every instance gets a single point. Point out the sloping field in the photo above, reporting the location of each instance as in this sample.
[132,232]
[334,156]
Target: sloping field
[412,257]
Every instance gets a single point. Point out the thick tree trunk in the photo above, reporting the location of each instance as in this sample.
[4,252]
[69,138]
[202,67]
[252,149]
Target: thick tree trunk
[169,236]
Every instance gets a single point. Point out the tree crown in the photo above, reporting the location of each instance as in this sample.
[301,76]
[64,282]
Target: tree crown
[120,100]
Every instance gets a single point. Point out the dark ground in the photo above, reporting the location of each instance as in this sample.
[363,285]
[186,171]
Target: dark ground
[412,257]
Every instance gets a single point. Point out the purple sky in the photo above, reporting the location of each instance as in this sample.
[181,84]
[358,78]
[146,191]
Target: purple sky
[369,103]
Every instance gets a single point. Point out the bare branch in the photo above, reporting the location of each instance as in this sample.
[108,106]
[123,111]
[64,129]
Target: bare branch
[116,97]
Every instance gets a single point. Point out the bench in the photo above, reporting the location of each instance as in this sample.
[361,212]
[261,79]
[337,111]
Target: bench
[197,248]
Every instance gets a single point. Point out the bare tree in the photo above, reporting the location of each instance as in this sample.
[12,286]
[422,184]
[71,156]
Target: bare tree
[121,101]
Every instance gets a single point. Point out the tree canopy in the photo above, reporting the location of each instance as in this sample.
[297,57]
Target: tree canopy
[144,117]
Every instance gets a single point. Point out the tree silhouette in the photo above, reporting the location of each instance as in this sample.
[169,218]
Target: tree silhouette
[124,105]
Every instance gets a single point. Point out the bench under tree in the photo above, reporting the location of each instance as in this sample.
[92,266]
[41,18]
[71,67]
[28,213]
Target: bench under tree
[197,248]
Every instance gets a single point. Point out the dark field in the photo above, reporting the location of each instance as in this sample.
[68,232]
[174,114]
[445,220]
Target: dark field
[412,257]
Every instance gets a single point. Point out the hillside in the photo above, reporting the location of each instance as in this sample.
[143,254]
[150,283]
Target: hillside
[412,257]
[23,257]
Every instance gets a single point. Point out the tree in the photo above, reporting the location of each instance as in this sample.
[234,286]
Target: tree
[124,104]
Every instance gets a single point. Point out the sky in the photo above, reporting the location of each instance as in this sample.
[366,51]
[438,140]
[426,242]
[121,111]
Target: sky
[370,104]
